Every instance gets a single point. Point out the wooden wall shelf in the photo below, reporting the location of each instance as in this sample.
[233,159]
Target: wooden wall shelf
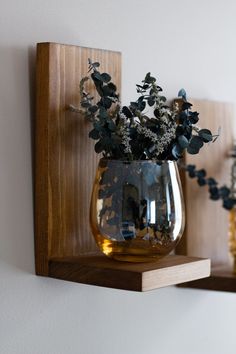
[206,232]
[65,169]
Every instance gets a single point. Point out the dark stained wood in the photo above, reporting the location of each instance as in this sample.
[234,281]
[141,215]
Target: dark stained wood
[102,271]
[41,158]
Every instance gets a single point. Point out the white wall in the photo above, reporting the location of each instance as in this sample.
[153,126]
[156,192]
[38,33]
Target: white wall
[185,43]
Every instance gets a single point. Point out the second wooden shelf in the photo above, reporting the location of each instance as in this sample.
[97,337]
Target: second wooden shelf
[222,278]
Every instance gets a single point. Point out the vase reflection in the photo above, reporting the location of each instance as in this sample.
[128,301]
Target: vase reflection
[137,210]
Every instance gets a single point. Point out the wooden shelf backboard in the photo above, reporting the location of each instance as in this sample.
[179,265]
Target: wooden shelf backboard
[206,232]
[65,158]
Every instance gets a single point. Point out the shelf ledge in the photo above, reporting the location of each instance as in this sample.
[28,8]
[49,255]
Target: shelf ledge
[102,271]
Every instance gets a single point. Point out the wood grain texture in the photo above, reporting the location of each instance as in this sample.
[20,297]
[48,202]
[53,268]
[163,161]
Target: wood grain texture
[65,158]
[102,271]
[206,233]
[41,161]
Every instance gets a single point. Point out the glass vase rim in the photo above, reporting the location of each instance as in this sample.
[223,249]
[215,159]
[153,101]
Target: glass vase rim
[136,161]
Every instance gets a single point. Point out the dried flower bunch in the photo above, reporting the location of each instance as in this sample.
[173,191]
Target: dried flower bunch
[146,129]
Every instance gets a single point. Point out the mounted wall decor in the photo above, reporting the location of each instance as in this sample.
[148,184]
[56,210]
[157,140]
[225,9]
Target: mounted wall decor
[65,170]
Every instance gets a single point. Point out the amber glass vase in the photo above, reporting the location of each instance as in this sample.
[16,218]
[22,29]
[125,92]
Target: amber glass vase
[137,210]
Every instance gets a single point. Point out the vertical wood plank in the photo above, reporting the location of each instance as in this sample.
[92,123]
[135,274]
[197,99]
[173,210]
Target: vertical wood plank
[41,158]
[207,221]
[65,157]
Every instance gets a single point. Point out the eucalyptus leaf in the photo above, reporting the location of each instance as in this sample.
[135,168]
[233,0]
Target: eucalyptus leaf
[224,191]
[97,75]
[103,112]
[201,181]
[186,105]
[214,193]
[149,79]
[182,93]
[107,102]
[107,91]
[85,104]
[134,105]
[151,101]
[93,109]
[127,112]
[111,125]
[211,181]
[112,87]
[193,117]
[206,135]
[99,147]
[157,113]
[94,134]
[105,77]
[201,173]
[195,145]
[229,203]
[141,105]
[183,141]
